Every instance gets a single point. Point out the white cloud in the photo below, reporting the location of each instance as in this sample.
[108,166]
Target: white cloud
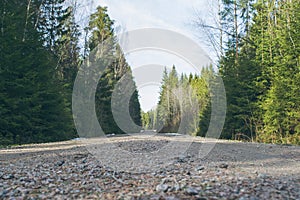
[135,14]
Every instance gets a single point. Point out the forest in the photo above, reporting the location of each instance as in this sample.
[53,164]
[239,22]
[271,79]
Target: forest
[40,55]
[258,48]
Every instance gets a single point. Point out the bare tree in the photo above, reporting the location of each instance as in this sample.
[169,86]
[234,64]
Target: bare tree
[210,24]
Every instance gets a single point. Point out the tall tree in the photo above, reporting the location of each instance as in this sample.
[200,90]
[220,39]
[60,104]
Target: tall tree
[68,49]
[204,93]
[31,103]
[182,101]
[279,52]
[168,106]
[114,62]
[49,23]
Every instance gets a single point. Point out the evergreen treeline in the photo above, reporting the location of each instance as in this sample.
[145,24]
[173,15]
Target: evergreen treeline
[259,48]
[259,62]
[260,69]
[39,60]
[33,102]
[182,103]
[102,32]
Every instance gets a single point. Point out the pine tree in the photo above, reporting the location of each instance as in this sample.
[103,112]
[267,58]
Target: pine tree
[203,88]
[280,103]
[68,49]
[182,101]
[262,93]
[110,56]
[31,103]
[168,106]
[51,15]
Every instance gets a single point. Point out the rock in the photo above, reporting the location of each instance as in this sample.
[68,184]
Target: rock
[171,189]
[8,176]
[3,193]
[162,188]
[262,176]
[223,166]
[81,176]
[170,198]
[181,159]
[200,168]
[209,187]
[165,180]
[282,187]
[177,187]
[60,163]
[191,191]
[80,156]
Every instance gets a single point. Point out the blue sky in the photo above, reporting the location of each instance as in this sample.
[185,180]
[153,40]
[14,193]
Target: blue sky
[175,15]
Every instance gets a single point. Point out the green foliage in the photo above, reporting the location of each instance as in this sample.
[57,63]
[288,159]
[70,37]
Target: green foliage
[146,120]
[40,57]
[182,103]
[49,21]
[278,50]
[203,89]
[149,119]
[32,106]
[262,83]
[241,91]
[168,106]
[113,60]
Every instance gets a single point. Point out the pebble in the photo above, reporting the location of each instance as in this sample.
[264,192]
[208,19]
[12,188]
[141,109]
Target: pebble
[177,187]
[191,191]
[263,176]
[282,187]
[182,159]
[200,168]
[7,176]
[223,166]
[60,163]
[162,188]
[80,176]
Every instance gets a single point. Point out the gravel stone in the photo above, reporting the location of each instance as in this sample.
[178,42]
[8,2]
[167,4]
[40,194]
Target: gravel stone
[223,166]
[162,188]
[191,191]
[200,168]
[67,170]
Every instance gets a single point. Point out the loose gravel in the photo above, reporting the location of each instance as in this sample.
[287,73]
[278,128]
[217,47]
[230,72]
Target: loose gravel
[232,170]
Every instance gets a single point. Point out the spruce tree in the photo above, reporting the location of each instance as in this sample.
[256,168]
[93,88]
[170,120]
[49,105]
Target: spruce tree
[280,103]
[110,56]
[31,102]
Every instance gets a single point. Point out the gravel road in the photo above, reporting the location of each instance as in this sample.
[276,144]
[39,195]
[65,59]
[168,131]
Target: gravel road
[71,170]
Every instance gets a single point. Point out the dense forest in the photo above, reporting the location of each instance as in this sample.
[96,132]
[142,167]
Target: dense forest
[257,44]
[258,48]
[40,55]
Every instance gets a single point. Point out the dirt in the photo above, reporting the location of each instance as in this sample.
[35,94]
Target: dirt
[74,170]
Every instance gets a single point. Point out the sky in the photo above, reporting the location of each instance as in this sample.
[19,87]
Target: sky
[175,15]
